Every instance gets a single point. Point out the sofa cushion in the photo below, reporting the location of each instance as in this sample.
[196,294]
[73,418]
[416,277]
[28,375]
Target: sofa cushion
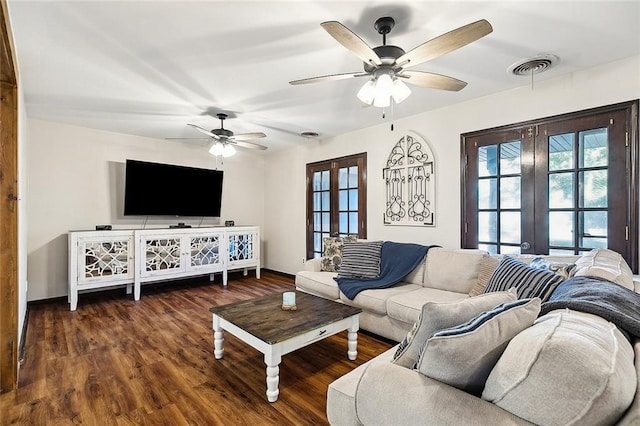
[318,283]
[417,275]
[607,264]
[453,270]
[463,356]
[406,307]
[376,300]
[437,316]
[530,282]
[488,264]
[361,259]
[332,256]
[577,366]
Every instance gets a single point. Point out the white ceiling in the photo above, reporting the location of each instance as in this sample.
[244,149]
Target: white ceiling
[150,67]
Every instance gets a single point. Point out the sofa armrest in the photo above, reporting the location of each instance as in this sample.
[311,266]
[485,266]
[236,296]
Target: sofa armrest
[391,394]
[313,265]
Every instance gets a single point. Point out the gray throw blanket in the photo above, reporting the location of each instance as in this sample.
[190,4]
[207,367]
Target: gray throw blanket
[397,260]
[600,297]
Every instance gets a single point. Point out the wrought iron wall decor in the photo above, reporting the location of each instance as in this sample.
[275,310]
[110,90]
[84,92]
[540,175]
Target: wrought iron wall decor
[409,178]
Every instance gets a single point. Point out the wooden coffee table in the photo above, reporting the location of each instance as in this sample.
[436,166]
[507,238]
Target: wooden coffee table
[261,323]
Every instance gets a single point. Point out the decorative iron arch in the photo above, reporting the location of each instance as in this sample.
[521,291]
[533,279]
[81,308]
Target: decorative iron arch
[409,178]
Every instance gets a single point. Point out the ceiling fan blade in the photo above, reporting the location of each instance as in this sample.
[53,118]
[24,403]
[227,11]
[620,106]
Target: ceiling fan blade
[445,43]
[246,144]
[205,131]
[330,77]
[351,41]
[433,81]
[248,136]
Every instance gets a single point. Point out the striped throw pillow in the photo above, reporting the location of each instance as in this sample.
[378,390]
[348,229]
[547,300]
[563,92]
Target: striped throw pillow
[361,259]
[530,282]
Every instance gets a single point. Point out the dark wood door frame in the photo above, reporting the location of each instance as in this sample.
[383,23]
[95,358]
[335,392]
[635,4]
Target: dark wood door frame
[9,287]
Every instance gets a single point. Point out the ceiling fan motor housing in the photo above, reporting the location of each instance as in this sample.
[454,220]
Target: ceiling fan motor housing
[388,55]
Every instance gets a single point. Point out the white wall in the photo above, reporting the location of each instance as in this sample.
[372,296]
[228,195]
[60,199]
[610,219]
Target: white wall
[285,189]
[76,181]
[22,212]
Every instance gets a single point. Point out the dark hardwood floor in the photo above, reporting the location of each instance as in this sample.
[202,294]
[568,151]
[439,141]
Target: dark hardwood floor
[116,361]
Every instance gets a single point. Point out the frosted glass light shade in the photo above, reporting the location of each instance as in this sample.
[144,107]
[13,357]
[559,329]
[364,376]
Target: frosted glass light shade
[400,91]
[228,150]
[367,92]
[216,149]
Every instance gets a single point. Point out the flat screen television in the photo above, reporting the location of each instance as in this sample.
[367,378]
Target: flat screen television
[155,189]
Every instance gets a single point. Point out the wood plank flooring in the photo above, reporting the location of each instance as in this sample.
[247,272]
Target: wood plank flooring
[119,362]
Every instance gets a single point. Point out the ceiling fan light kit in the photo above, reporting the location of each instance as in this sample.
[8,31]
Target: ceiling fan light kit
[387,64]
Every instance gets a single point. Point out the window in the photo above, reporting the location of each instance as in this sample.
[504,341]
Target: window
[336,200]
[561,185]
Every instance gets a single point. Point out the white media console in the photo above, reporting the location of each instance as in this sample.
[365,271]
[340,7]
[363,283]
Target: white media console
[100,259]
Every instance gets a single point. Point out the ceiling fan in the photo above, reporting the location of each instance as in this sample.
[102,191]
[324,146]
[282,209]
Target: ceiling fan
[388,64]
[225,139]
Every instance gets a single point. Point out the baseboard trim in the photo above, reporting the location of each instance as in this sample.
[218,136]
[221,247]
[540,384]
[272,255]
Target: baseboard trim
[23,336]
[282,274]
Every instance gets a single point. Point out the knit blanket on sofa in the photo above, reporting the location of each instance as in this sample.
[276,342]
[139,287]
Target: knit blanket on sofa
[600,297]
[397,260]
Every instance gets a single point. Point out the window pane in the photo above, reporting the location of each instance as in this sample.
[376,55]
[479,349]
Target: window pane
[594,148]
[325,202]
[594,188]
[509,249]
[510,227]
[353,199]
[510,193]
[325,180]
[317,181]
[317,222]
[487,226]
[353,177]
[560,252]
[343,200]
[561,229]
[487,194]
[316,201]
[488,160]
[343,226]
[343,178]
[317,242]
[510,158]
[353,223]
[561,190]
[491,248]
[594,229]
[325,222]
[561,152]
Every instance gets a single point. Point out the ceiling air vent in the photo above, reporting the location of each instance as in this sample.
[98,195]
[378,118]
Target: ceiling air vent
[534,65]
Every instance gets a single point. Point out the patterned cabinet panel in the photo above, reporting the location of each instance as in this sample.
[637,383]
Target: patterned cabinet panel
[161,255]
[105,259]
[244,247]
[204,250]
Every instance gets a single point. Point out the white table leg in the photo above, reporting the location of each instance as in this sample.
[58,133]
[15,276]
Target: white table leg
[352,339]
[272,358]
[218,338]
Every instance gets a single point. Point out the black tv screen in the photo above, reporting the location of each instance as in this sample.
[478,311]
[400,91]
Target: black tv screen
[154,189]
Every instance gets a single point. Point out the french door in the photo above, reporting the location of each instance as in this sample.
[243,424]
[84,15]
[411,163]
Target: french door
[336,200]
[562,185]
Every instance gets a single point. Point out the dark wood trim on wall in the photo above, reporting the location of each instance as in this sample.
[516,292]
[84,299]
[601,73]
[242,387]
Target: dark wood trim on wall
[8,208]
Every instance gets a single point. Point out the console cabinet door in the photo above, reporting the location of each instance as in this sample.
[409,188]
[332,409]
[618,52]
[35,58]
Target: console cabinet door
[244,248]
[160,254]
[204,251]
[104,259]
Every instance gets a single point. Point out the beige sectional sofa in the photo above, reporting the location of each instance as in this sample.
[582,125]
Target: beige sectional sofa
[569,367]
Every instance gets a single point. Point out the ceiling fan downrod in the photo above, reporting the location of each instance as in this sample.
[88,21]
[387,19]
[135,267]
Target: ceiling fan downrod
[384,26]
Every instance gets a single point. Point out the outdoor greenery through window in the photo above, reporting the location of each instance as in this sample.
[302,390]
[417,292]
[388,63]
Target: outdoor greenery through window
[562,185]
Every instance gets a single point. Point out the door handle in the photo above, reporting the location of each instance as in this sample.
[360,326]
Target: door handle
[525,245]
